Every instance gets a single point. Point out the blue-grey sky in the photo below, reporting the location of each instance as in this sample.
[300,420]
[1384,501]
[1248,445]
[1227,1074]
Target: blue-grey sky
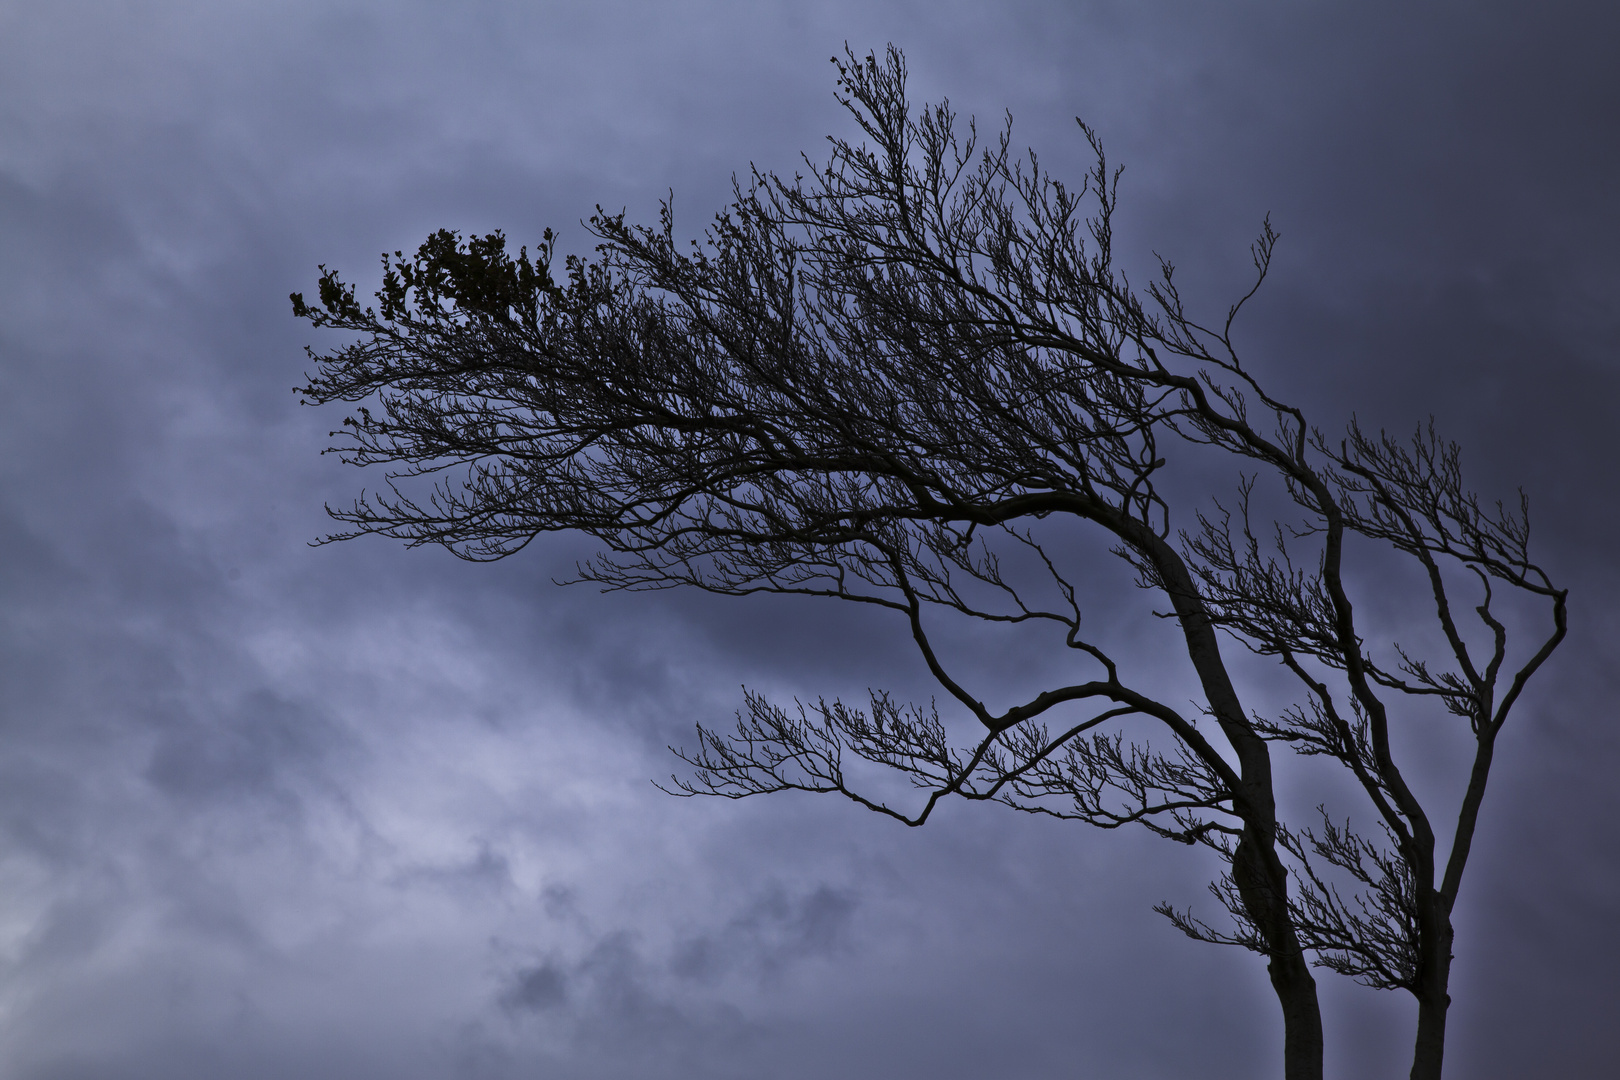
[269,810]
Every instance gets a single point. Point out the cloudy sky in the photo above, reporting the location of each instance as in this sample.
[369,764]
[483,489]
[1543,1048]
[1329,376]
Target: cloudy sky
[268,810]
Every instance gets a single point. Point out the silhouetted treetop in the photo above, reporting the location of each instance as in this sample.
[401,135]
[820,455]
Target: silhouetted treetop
[887,380]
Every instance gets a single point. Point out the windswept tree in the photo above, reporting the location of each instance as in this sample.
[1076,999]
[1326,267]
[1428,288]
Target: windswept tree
[914,378]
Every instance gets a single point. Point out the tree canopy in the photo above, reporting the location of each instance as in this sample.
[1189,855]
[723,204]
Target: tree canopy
[885,381]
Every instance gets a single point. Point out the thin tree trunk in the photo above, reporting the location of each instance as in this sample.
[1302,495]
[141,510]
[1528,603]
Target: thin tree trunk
[1302,1017]
[1258,873]
[1262,881]
[1433,1001]
[1431,1037]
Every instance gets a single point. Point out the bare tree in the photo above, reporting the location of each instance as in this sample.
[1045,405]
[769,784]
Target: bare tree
[891,381]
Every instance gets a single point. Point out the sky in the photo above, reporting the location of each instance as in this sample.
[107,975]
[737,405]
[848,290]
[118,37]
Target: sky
[356,811]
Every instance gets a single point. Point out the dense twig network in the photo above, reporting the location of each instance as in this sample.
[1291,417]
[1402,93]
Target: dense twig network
[885,381]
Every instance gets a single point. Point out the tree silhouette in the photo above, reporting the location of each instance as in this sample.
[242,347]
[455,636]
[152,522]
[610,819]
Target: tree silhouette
[912,378]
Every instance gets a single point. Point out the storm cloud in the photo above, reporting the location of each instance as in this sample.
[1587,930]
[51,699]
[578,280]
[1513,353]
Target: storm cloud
[272,810]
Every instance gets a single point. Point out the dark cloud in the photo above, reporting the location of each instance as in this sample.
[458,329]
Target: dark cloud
[272,810]
[537,989]
[232,752]
[773,930]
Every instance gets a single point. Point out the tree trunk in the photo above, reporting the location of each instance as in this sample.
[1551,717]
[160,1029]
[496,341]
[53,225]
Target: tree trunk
[1260,877]
[1262,882]
[1431,1036]
[1302,1017]
[1433,1001]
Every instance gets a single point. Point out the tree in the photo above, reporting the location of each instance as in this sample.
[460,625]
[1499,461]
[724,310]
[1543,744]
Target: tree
[906,380]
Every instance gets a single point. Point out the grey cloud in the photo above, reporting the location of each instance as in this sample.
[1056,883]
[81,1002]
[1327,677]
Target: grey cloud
[356,811]
[612,975]
[488,870]
[233,753]
[775,929]
[536,989]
